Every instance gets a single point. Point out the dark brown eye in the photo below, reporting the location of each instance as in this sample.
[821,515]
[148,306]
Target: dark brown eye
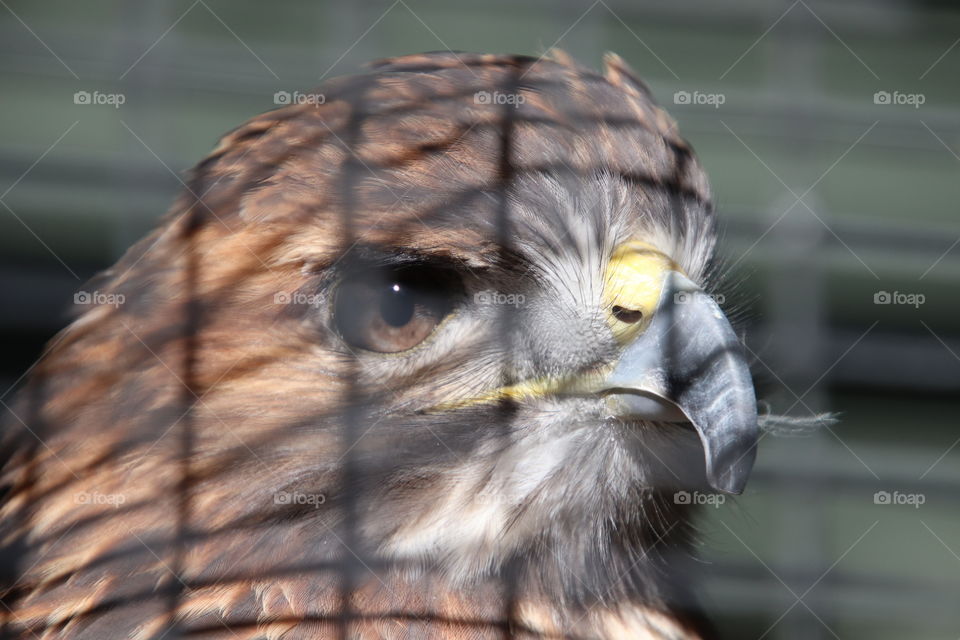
[392,310]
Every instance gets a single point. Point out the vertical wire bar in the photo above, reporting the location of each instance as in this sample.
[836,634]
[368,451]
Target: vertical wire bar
[795,305]
[350,478]
[191,318]
[506,407]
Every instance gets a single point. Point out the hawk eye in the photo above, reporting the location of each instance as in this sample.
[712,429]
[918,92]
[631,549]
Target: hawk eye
[392,310]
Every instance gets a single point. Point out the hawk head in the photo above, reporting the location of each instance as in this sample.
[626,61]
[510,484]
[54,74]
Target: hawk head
[449,325]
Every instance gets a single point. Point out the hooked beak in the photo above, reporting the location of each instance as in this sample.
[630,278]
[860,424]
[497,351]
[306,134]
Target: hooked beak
[680,362]
[687,366]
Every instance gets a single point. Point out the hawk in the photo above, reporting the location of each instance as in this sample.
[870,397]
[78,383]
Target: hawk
[430,354]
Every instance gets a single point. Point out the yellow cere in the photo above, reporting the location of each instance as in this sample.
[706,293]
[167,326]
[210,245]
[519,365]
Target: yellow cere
[635,276]
[634,280]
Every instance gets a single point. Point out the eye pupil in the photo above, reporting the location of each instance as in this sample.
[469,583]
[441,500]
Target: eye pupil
[397,305]
[392,310]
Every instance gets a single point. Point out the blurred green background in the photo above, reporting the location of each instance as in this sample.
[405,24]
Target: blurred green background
[830,194]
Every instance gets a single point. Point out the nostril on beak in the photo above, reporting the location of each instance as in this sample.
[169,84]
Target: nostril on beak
[630,316]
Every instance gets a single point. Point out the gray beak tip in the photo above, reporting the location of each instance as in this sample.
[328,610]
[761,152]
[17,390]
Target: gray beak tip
[732,479]
[729,463]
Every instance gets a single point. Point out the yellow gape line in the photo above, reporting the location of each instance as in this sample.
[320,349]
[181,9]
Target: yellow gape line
[633,284]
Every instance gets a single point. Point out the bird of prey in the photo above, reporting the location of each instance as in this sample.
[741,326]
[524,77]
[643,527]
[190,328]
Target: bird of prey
[431,353]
